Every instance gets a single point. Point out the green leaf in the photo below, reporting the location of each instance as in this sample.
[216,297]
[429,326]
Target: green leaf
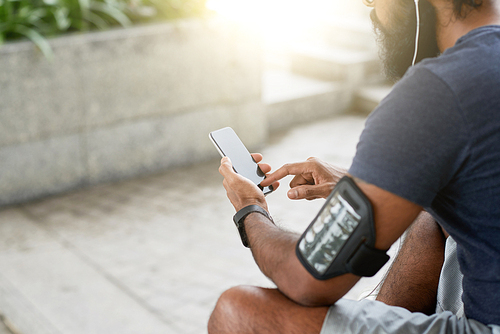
[36,38]
[96,20]
[24,12]
[62,20]
[84,14]
[8,11]
[115,13]
[4,26]
[84,4]
[36,15]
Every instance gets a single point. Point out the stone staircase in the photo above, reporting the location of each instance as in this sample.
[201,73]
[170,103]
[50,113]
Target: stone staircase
[337,73]
[368,97]
[334,63]
[292,99]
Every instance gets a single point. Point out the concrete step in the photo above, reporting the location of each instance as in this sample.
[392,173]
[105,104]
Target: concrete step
[354,33]
[291,99]
[335,63]
[368,98]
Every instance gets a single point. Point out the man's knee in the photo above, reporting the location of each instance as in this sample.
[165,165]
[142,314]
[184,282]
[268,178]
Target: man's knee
[232,310]
[249,309]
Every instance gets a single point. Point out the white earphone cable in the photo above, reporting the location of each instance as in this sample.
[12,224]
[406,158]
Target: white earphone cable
[417,33]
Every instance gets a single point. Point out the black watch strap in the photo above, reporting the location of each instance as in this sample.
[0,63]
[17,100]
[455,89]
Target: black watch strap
[239,220]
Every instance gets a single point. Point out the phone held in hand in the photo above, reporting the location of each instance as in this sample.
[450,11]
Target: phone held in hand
[229,145]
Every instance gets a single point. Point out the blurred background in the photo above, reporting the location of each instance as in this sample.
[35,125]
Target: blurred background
[113,218]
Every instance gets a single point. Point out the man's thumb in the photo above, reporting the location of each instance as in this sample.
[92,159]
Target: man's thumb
[225,165]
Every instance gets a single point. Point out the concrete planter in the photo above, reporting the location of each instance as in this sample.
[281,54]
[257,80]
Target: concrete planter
[125,102]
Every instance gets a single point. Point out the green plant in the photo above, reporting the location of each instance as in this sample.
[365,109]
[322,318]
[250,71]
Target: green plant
[22,18]
[171,9]
[38,19]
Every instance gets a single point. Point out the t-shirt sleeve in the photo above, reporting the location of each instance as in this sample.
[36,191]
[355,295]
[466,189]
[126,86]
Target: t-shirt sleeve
[415,141]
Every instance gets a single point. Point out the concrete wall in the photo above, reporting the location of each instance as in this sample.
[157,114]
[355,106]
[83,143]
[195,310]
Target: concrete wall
[121,103]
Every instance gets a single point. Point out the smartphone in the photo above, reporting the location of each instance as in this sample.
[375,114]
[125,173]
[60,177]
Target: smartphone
[229,145]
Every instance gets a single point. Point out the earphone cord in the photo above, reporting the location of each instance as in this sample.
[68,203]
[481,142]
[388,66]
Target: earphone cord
[417,33]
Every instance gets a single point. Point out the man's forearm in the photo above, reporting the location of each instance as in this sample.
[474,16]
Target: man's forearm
[274,253]
[271,246]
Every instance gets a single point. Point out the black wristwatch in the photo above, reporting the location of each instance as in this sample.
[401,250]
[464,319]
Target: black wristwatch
[239,220]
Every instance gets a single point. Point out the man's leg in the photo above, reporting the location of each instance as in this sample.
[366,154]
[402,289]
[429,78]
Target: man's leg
[248,309]
[412,281]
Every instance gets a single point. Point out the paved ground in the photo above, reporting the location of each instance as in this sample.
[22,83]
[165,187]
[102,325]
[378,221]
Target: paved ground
[150,255]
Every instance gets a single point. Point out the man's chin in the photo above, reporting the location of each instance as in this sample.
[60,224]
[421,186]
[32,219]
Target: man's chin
[397,46]
[396,54]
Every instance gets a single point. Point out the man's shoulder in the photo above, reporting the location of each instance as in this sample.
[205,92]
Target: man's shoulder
[473,58]
[466,76]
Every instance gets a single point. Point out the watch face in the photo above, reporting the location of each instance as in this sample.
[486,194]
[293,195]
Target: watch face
[328,233]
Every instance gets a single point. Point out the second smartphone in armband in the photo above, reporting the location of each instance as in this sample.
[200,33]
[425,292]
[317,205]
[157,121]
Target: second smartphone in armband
[229,145]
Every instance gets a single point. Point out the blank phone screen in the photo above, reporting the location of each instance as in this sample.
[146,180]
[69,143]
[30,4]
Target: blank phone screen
[230,145]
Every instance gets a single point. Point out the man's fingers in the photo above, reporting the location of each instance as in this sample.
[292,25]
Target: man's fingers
[303,192]
[265,168]
[257,157]
[275,185]
[300,180]
[285,170]
[311,192]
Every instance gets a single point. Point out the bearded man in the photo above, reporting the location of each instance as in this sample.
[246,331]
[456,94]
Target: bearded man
[429,153]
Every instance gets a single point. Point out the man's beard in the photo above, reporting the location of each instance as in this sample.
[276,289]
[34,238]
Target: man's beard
[397,39]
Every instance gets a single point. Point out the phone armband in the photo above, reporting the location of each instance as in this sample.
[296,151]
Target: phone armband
[341,238]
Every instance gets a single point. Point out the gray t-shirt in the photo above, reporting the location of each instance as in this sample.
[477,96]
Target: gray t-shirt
[435,140]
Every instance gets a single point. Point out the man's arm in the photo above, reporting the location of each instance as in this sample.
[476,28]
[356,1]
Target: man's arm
[413,279]
[274,249]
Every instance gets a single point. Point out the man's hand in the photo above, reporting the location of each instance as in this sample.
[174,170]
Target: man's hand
[313,178]
[240,190]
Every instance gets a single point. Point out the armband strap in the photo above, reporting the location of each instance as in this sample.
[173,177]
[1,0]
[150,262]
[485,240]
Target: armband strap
[239,220]
[366,261]
[341,239]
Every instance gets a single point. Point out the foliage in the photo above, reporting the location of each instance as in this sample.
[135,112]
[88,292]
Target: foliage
[38,19]
[141,10]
